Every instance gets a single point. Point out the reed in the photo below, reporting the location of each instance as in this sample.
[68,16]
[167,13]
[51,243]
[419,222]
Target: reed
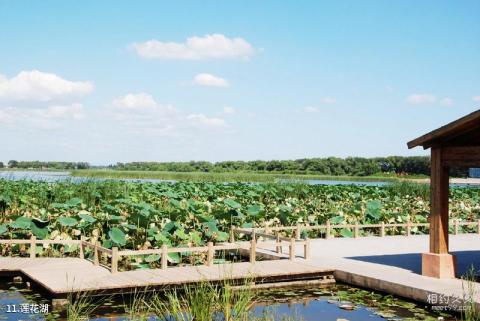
[470,311]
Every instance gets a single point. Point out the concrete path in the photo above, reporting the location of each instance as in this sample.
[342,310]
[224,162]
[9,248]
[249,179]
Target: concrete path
[393,265]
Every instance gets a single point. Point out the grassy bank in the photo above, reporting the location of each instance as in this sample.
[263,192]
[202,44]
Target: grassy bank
[224,177]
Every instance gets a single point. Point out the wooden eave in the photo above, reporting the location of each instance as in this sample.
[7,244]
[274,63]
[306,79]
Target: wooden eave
[461,132]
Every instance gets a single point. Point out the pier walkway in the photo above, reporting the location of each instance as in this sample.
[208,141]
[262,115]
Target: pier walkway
[390,264]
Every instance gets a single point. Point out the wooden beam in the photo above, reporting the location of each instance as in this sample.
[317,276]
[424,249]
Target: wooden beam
[460,125]
[439,204]
[463,156]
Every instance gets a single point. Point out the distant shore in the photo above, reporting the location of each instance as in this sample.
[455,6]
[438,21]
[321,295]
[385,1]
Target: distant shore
[466,181]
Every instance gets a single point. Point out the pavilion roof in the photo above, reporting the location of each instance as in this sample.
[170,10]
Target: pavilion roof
[461,132]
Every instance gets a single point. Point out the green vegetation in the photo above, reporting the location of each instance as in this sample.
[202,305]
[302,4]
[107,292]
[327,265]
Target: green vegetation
[13,164]
[223,177]
[147,215]
[355,166]
[205,302]
[331,166]
[81,306]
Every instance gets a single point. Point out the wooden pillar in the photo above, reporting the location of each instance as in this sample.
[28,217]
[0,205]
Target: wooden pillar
[82,248]
[33,246]
[328,232]
[439,204]
[96,256]
[278,247]
[292,249]
[253,250]
[438,263]
[306,249]
[298,232]
[114,268]
[164,259]
[210,254]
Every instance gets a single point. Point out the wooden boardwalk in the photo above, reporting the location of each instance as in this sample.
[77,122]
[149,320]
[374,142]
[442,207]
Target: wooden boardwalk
[60,276]
[390,264]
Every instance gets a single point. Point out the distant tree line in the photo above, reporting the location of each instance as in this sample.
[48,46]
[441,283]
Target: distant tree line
[46,165]
[355,166]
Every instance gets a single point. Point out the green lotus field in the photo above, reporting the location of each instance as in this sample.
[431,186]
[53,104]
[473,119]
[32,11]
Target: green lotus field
[147,215]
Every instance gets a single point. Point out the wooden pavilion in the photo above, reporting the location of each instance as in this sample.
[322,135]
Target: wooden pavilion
[454,145]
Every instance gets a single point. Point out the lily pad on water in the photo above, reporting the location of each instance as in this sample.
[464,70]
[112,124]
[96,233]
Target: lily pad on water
[231,203]
[3,229]
[39,228]
[21,223]
[67,221]
[152,258]
[117,236]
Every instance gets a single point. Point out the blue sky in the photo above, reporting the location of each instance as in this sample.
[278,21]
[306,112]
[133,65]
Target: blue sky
[108,81]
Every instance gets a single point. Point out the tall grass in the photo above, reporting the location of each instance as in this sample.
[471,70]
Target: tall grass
[136,307]
[80,306]
[470,311]
[404,188]
[218,177]
[205,302]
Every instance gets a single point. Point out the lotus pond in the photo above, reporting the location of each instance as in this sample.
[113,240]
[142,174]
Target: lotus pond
[148,215]
[327,304]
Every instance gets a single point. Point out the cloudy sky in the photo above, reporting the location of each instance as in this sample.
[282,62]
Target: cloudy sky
[108,81]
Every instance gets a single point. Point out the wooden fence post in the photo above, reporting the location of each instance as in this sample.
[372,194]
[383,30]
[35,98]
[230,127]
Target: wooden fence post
[356,230]
[306,249]
[96,259]
[278,247]
[267,230]
[478,226]
[292,249]
[455,227]
[82,249]
[253,250]
[382,230]
[33,247]
[164,258]
[328,232]
[298,232]
[232,235]
[409,228]
[210,254]
[114,260]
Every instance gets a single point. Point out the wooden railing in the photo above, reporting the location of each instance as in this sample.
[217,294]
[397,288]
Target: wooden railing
[115,254]
[268,236]
[278,243]
[328,228]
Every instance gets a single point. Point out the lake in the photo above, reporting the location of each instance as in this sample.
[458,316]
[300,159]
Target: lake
[312,304]
[49,176]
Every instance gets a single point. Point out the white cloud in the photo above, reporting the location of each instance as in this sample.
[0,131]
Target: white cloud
[202,120]
[141,114]
[447,101]
[418,99]
[310,109]
[44,118]
[212,46]
[210,80]
[476,98]
[135,101]
[41,87]
[228,110]
[329,100]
